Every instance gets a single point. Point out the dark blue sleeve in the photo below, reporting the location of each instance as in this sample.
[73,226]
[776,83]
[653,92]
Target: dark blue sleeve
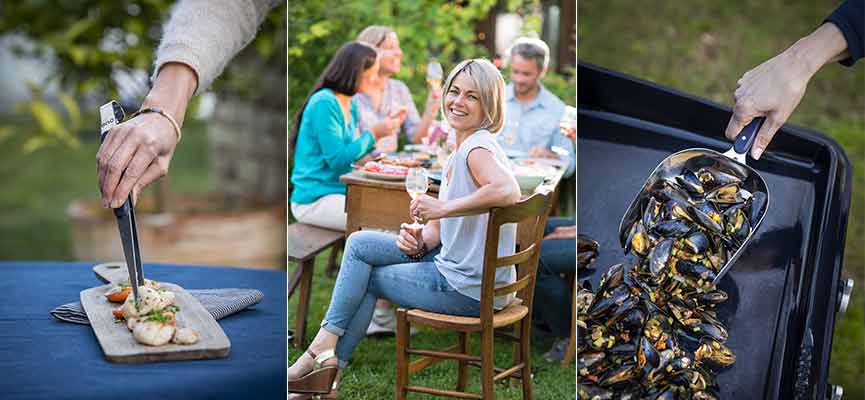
[849,17]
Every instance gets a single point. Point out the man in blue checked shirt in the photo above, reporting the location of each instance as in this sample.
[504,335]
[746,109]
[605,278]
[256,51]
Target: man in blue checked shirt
[532,113]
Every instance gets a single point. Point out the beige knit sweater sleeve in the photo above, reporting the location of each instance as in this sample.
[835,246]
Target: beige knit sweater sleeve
[207,34]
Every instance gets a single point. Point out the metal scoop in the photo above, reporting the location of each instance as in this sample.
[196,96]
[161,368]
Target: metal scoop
[732,161]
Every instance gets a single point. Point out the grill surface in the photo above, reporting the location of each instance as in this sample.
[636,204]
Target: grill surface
[785,281]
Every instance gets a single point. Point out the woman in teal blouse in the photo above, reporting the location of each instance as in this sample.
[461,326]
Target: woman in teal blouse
[326,140]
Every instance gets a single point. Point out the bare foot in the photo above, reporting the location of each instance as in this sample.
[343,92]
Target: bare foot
[302,366]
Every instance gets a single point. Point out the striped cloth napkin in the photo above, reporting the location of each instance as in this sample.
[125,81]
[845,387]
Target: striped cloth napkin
[219,302]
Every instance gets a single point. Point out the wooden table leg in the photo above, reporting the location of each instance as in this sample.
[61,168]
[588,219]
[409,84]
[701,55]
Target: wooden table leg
[303,302]
[294,280]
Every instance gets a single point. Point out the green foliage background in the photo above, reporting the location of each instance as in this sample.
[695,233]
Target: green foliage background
[73,32]
[426,29]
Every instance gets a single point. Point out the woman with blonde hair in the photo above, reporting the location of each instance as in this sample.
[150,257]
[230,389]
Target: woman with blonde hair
[439,267]
[391,97]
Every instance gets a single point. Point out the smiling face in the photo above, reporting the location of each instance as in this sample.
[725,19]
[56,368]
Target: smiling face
[525,75]
[390,54]
[463,108]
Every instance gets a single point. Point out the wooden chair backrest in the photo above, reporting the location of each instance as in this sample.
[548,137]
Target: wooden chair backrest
[533,210]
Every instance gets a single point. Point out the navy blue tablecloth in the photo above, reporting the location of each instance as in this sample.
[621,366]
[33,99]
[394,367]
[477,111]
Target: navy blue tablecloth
[43,358]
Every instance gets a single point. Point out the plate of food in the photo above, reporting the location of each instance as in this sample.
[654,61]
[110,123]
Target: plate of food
[388,172]
[167,324]
[530,173]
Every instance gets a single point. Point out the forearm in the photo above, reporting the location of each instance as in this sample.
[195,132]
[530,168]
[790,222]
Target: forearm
[172,90]
[206,34]
[431,234]
[488,196]
[823,46]
[423,126]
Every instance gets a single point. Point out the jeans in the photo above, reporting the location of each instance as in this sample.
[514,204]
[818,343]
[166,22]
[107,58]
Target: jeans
[552,302]
[373,267]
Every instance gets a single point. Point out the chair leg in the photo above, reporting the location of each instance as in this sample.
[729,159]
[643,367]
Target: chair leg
[333,260]
[402,343]
[303,302]
[487,364]
[462,372]
[526,353]
[572,343]
[516,350]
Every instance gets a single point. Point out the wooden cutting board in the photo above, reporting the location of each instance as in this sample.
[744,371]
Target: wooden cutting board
[119,346]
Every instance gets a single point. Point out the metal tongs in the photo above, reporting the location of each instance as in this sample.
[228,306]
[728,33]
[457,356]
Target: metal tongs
[732,161]
[111,114]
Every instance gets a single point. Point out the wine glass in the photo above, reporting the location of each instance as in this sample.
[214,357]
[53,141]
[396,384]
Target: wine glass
[416,184]
[569,119]
[568,122]
[434,74]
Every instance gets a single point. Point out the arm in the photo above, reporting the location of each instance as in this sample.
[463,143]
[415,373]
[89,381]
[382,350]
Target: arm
[430,111]
[774,89]
[140,150]
[496,188]
[565,142]
[849,18]
[206,34]
[197,42]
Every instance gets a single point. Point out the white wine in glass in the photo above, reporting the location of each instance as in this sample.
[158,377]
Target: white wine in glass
[434,74]
[569,119]
[416,184]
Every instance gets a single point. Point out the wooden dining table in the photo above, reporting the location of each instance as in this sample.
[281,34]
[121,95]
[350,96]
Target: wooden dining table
[384,204]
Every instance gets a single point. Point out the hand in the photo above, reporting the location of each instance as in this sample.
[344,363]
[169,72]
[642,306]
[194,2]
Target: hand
[426,208]
[134,154]
[384,127]
[570,132]
[773,89]
[433,99]
[542,153]
[399,114]
[139,151]
[563,232]
[409,241]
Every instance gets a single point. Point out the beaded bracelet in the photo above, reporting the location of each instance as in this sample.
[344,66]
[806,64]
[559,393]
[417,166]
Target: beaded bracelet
[162,113]
[420,254]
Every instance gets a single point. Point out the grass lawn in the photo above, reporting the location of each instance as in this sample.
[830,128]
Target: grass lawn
[38,188]
[372,373]
[703,48]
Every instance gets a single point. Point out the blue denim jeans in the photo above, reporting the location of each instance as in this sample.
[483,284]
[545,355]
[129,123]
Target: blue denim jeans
[373,267]
[552,302]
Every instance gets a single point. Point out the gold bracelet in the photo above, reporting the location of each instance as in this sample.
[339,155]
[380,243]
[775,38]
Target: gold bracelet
[162,113]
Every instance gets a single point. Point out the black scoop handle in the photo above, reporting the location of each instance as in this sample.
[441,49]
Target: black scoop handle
[746,137]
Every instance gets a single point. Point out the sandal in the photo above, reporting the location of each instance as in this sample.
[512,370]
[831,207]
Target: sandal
[320,380]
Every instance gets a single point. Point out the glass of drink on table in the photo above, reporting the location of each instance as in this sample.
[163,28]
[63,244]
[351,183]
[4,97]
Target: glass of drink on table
[434,74]
[416,184]
[568,127]
[568,123]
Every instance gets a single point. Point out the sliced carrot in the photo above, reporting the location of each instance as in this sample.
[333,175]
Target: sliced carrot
[118,296]
[118,312]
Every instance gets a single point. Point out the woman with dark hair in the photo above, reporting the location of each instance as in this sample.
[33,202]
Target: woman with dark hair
[326,141]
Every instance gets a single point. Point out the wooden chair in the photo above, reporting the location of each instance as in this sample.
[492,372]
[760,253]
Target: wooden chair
[571,352]
[518,314]
[304,242]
